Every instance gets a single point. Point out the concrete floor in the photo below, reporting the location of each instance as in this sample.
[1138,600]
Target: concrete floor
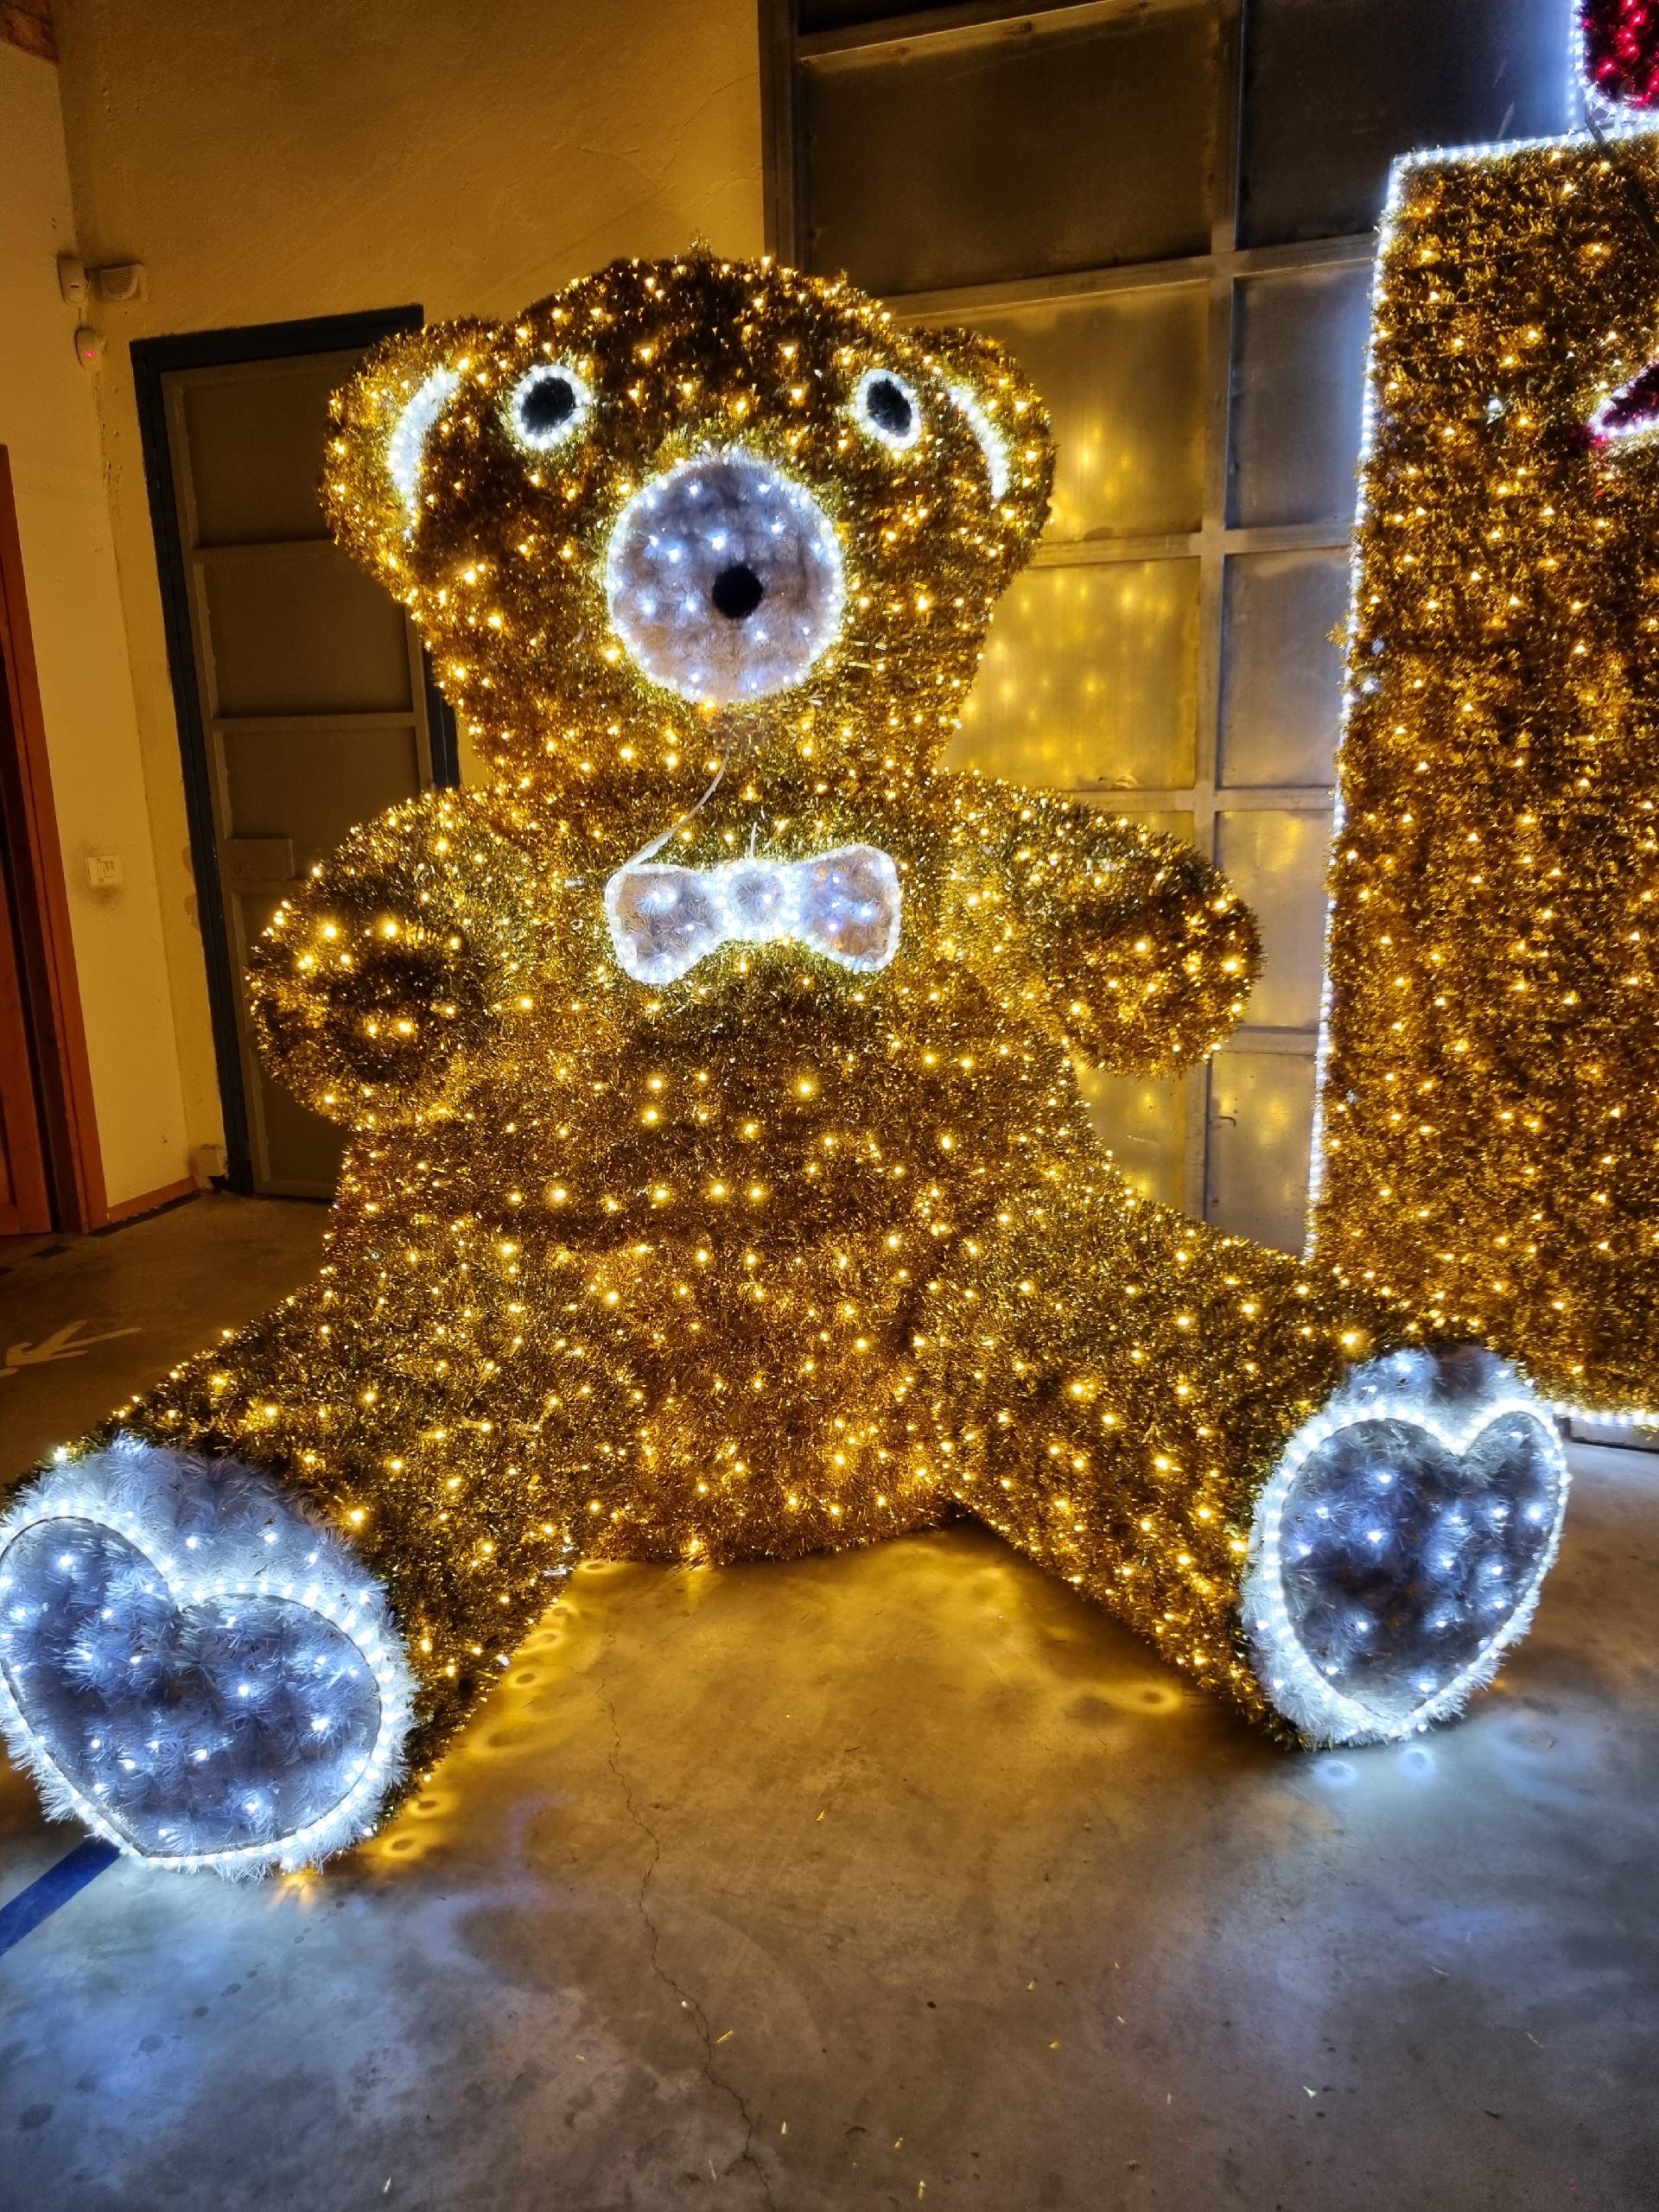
[900,1879]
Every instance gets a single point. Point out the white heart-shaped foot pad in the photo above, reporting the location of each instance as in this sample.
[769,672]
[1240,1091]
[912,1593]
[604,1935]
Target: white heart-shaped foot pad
[1401,1544]
[191,1667]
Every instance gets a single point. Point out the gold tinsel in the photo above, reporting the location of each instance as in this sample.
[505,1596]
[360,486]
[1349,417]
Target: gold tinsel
[1491,1084]
[780,1256]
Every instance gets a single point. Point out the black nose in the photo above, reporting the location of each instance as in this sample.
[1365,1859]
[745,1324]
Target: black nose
[737,591]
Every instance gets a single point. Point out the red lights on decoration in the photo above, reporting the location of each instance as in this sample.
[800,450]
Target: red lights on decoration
[1632,411]
[1621,50]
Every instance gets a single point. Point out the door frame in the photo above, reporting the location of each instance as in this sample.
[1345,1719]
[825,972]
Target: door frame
[153,359]
[46,1078]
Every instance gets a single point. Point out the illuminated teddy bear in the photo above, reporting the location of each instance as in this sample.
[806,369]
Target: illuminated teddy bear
[720,1186]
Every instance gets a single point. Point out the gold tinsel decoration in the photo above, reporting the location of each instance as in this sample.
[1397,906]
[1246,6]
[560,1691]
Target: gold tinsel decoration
[781,1255]
[1491,1091]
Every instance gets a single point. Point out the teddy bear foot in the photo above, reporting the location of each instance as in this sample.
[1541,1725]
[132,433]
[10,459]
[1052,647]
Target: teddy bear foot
[1401,1544]
[192,1669]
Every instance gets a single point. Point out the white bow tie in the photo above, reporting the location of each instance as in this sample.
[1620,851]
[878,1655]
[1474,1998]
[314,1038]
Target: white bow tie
[843,903]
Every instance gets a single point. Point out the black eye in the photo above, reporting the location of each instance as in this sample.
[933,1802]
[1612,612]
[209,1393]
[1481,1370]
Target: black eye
[886,406]
[889,408]
[546,406]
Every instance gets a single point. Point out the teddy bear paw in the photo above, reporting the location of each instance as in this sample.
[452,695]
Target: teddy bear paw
[191,1667]
[1402,1543]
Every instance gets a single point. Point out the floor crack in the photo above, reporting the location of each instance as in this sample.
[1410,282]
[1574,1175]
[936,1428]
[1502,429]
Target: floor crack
[747,2155]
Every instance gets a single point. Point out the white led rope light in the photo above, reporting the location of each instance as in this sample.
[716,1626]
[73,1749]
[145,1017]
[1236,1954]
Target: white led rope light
[1302,1693]
[1367,437]
[336,1593]
[543,438]
[406,446]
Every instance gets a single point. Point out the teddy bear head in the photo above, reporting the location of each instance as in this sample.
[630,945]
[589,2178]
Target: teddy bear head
[694,507]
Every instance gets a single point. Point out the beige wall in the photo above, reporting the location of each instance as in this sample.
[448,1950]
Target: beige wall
[269,159]
[49,423]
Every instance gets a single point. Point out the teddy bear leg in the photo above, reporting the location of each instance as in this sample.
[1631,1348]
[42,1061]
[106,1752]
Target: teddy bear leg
[1299,1504]
[190,1667]
[1399,1544]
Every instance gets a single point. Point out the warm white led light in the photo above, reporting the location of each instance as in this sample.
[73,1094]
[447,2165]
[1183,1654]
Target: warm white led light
[1400,172]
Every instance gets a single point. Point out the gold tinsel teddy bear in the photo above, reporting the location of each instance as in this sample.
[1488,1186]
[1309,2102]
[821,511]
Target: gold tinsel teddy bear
[720,1184]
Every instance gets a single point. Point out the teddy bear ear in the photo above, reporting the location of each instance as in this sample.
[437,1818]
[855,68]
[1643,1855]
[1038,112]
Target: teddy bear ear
[999,404]
[388,427]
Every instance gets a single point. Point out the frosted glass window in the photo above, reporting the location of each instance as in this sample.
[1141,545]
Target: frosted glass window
[1276,863]
[1261,1128]
[1141,1120]
[1123,378]
[1019,151]
[1298,389]
[1089,677]
[1334,89]
[1281,676]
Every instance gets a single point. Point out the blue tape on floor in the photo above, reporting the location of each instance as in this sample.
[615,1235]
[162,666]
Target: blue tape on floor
[53,1888]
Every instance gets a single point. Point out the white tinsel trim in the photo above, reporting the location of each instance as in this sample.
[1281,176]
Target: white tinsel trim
[1450,1400]
[214,1532]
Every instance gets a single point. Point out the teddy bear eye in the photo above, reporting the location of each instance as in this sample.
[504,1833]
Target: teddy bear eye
[886,407]
[546,406]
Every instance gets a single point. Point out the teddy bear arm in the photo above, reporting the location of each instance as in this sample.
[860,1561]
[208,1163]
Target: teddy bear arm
[392,957]
[1149,951]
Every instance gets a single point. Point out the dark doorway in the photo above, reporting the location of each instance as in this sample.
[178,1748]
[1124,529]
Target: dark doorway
[304,702]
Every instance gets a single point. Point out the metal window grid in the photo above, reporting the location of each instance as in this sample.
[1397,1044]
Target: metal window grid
[787,56]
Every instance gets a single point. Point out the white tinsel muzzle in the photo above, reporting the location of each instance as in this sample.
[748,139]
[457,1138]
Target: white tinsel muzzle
[725,580]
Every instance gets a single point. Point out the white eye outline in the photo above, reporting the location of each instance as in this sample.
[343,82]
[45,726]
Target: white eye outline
[543,373]
[895,441]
